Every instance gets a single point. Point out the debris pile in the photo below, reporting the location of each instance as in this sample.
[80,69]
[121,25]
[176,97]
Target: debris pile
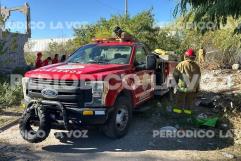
[221,90]
[221,93]
[222,103]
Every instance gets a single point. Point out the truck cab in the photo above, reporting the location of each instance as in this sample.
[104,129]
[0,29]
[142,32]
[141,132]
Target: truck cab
[100,84]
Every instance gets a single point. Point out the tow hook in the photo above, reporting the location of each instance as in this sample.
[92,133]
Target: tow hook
[38,104]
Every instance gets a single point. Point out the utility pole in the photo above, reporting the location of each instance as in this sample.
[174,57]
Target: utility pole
[1,20]
[126,8]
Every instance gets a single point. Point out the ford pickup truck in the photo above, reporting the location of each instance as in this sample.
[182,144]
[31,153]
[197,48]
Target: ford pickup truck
[100,84]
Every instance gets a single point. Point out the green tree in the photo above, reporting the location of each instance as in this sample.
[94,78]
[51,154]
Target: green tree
[141,26]
[216,11]
[84,34]
[61,48]
[223,41]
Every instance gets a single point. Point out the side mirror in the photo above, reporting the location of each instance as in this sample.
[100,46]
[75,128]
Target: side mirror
[151,62]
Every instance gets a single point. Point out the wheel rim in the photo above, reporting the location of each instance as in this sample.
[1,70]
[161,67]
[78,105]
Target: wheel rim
[122,117]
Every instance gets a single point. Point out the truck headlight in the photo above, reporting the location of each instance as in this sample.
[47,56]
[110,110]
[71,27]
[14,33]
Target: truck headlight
[25,82]
[99,92]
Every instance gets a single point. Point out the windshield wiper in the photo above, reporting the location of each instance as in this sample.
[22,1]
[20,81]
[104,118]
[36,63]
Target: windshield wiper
[77,62]
[97,62]
[91,62]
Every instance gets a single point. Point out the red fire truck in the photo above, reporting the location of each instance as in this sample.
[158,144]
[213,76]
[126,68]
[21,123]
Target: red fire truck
[100,84]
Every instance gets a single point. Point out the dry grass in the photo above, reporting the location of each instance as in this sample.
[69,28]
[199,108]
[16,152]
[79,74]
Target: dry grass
[209,66]
[236,122]
[4,120]
[10,114]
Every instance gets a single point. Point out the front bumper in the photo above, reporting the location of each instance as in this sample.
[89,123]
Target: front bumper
[82,116]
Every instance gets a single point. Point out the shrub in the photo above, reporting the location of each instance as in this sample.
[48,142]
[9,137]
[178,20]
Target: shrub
[10,96]
[30,58]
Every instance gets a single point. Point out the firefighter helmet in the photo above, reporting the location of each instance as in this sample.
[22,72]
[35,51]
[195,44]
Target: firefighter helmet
[190,53]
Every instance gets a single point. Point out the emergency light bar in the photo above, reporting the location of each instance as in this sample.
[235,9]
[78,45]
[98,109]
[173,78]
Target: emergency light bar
[102,40]
[125,38]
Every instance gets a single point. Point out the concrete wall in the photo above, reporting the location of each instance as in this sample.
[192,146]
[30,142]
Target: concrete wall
[12,51]
[36,45]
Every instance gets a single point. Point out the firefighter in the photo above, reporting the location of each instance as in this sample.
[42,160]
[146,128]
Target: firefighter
[201,55]
[38,61]
[63,58]
[56,59]
[47,61]
[187,75]
[123,35]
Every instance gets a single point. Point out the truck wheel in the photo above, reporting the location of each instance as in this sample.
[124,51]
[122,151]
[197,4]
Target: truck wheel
[28,119]
[119,120]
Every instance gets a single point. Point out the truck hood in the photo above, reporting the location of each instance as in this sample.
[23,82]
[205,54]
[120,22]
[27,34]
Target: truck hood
[76,71]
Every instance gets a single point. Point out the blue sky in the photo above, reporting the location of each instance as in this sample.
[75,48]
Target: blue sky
[69,12]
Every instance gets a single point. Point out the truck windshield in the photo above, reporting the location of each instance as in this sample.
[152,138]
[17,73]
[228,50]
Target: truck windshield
[99,54]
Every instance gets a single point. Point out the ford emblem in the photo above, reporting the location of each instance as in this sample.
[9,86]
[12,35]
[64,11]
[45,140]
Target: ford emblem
[49,93]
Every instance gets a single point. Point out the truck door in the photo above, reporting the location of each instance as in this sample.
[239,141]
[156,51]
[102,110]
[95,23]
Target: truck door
[144,85]
[160,72]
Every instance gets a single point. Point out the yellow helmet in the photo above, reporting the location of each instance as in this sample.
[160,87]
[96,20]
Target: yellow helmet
[160,52]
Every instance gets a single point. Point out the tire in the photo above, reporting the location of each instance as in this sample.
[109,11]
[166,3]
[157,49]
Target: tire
[26,130]
[119,120]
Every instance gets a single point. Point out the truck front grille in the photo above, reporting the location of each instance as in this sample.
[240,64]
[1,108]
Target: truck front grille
[72,96]
[54,82]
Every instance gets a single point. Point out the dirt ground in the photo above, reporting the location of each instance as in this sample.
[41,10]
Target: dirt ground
[139,144]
